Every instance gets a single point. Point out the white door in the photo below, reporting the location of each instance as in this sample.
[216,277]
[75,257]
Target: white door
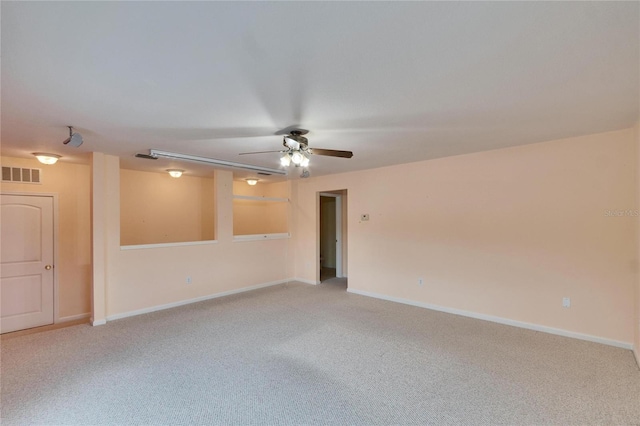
[26,256]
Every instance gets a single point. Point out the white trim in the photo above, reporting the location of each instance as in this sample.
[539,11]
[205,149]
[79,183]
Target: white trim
[189,301]
[499,320]
[98,322]
[75,317]
[259,198]
[258,237]
[162,245]
[338,236]
[302,280]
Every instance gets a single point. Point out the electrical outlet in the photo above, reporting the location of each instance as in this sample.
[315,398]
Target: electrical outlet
[420,281]
[566,302]
[188,280]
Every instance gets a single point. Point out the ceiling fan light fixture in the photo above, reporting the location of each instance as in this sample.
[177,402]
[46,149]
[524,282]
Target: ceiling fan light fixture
[175,173]
[305,162]
[297,158]
[45,158]
[285,160]
[252,181]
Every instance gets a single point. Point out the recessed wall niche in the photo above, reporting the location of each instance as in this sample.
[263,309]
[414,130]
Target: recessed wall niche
[156,208]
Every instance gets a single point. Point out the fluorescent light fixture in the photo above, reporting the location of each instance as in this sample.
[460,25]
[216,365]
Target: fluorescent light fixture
[175,173]
[252,182]
[214,162]
[45,158]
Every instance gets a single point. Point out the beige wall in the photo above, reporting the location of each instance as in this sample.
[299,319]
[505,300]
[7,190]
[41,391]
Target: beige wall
[71,182]
[139,279]
[637,317]
[505,233]
[252,217]
[156,208]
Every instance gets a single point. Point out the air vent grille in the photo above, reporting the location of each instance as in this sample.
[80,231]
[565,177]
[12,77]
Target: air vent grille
[20,174]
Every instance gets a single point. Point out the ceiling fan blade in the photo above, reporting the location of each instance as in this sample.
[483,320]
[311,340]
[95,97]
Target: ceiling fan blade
[258,152]
[331,152]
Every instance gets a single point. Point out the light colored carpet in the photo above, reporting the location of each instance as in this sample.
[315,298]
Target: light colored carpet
[300,354]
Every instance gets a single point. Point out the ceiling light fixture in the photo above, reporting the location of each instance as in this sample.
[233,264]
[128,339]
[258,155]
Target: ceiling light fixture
[45,158]
[252,181]
[221,163]
[175,173]
[74,139]
[285,160]
[295,156]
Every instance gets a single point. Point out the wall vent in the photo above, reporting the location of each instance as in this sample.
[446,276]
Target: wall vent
[20,174]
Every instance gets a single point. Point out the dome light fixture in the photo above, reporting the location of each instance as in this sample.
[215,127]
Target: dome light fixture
[175,173]
[45,158]
[252,181]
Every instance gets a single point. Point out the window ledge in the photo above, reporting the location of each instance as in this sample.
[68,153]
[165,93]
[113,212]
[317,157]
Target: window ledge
[163,245]
[258,237]
[258,198]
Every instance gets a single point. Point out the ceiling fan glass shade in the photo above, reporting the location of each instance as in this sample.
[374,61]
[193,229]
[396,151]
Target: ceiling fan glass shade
[175,173]
[45,158]
[285,160]
[305,162]
[297,158]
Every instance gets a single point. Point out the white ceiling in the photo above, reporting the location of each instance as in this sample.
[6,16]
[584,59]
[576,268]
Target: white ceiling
[392,82]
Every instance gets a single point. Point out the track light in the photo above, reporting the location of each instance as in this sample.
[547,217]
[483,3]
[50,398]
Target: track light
[45,158]
[74,139]
[175,173]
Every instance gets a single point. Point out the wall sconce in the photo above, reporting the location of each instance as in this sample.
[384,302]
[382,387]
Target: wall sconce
[252,181]
[45,158]
[175,173]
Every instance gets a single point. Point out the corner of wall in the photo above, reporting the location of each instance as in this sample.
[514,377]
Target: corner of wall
[637,294]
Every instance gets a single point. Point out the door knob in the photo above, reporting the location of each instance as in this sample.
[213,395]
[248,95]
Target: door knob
[48,267]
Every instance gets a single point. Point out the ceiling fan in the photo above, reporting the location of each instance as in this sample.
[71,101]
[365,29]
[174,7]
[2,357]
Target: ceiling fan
[297,150]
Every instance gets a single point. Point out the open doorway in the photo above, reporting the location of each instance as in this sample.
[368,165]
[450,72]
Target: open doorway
[332,235]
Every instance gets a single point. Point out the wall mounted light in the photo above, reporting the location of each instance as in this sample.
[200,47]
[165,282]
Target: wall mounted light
[252,181]
[175,173]
[45,158]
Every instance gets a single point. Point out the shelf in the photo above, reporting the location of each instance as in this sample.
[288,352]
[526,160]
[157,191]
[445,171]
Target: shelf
[255,198]
[258,237]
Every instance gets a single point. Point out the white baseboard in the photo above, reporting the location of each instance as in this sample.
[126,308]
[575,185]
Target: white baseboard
[189,301]
[98,322]
[74,317]
[499,320]
[302,280]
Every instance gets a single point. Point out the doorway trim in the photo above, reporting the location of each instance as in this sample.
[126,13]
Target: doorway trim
[54,196]
[338,198]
